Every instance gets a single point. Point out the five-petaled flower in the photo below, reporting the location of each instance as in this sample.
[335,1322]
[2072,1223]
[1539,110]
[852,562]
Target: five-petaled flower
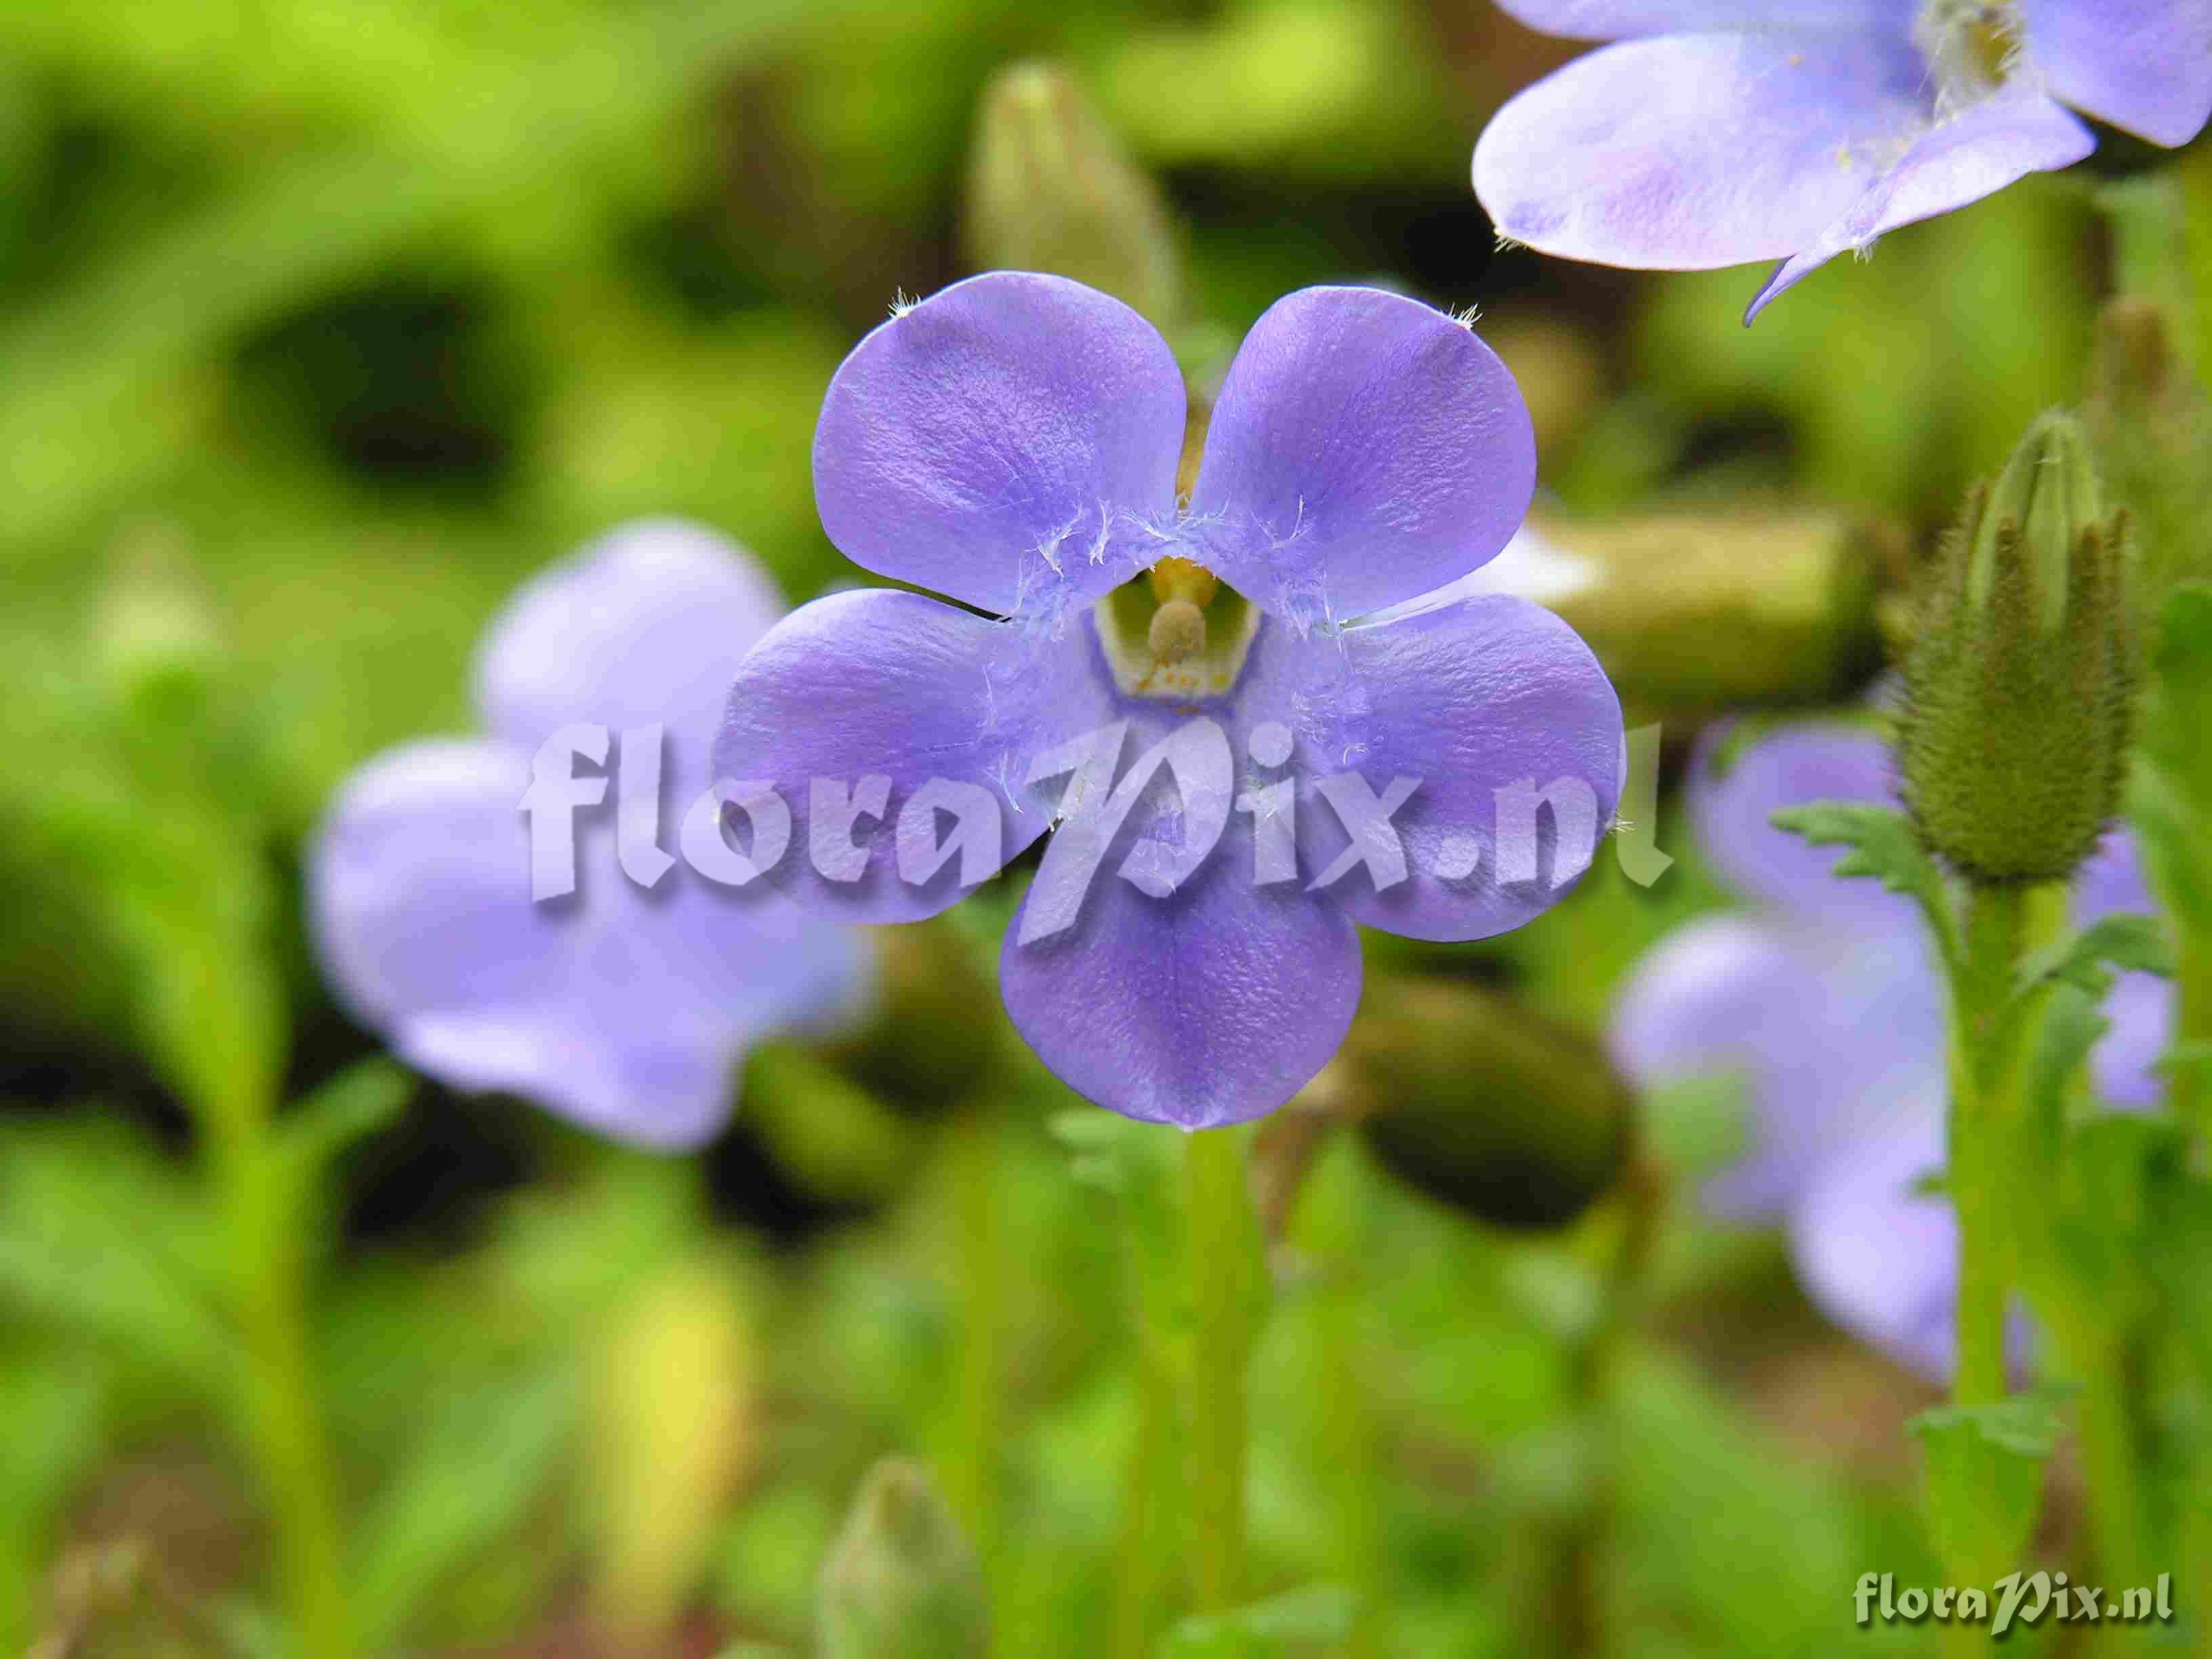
[624,1007]
[1717,133]
[1013,443]
[1826,1000]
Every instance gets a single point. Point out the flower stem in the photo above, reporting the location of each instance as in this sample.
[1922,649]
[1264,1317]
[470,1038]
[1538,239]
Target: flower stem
[1141,1550]
[1331,1213]
[972,1486]
[1573,1600]
[1221,1244]
[1980,1075]
[259,1198]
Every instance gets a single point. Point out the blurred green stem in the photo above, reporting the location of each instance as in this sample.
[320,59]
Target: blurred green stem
[1142,1551]
[1331,1213]
[1574,1609]
[260,1195]
[976,1384]
[2112,1459]
[1219,1245]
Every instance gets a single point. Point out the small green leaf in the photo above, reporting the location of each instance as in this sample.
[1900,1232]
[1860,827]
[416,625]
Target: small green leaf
[2071,1028]
[1884,844]
[353,1105]
[2133,944]
[1314,1613]
[1985,1477]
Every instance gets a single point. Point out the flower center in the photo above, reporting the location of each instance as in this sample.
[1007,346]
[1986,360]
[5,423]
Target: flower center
[1178,633]
[1970,46]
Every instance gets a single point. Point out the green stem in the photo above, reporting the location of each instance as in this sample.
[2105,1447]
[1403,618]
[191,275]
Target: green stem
[1221,1246]
[972,1484]
[1142,1550]
[1573,1611]
[1980,1072]
[1331,1216]
[260,1199]
[2111,1462]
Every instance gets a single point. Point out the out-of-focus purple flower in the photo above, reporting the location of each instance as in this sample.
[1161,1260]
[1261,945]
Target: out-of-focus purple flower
[1827,1000]
[1012,444]
[622,1007]
[1717,133]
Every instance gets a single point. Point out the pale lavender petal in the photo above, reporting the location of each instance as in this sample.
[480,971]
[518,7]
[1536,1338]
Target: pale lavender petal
[2140,1006]
[899,686]
[1366,449]
[418,886]
[676,984]
[1529,567]
[1880,1259]
[1836,1037]
[2139,1012]
[644,626]
[1503,719]
[1006,443]
[1974,154]
[621,1009]
[2110,880]
[1211,1005]
[1687,152]
[2145,65]
[672,1099]
[1624,19]
[1733,791]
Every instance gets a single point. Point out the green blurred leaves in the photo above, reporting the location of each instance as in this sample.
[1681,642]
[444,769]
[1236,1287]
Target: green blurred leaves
[1884,844]
[1985,1468]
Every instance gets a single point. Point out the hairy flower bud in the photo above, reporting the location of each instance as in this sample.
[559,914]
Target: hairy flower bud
[2012,744]
[1486,1106]
[1050,188]
[901,1582]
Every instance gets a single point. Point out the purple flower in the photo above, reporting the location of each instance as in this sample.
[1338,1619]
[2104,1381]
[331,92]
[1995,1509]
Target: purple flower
[1013,443]
[1825,997]
[1715,132]
[620,1006]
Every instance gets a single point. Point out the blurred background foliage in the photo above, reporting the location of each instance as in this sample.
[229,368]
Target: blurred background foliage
[323,322]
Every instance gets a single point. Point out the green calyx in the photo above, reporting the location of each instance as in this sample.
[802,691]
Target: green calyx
[2020,678]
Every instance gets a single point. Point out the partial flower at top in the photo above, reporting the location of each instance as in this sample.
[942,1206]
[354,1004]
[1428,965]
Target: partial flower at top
[1715,133]
[621,1006]
[1824,998]
[1291,770]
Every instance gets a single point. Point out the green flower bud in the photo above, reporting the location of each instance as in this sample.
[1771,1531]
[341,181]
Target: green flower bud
[1485,1105]
[1050,188]
[901,1582]
[2019,680]
[2152,430]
